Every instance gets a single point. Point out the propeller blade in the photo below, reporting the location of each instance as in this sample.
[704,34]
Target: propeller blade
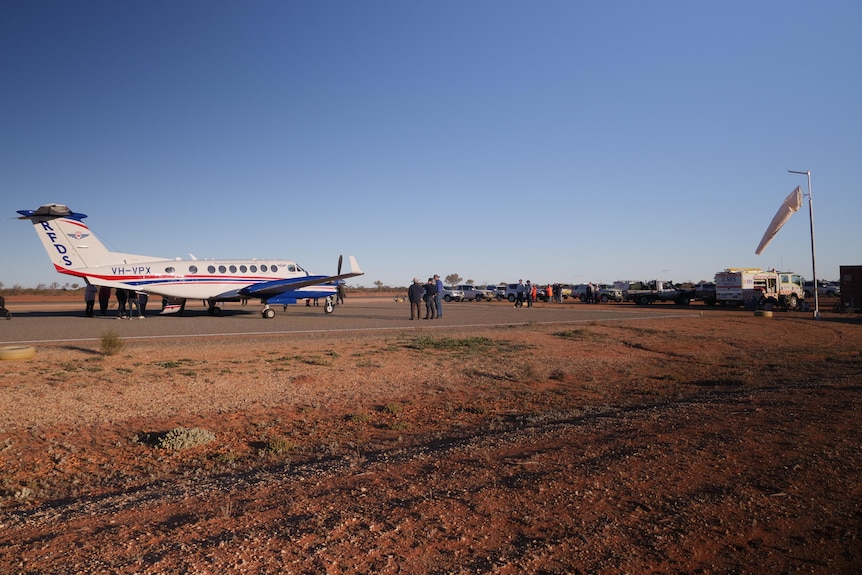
[339,264]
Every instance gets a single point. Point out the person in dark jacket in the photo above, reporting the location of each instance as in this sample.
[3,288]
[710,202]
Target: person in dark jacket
[122,297]
[104,299]
[415,294]
[89,299]
[430,299]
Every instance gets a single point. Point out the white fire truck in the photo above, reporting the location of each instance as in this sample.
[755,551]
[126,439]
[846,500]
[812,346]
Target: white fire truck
[756,288]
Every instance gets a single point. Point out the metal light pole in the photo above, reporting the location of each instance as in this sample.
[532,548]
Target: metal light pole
[813,256]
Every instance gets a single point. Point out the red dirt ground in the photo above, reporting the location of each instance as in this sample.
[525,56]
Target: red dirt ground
[716,444]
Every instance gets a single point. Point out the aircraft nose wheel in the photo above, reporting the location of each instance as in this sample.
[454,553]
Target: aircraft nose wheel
[268,313]
[328,307]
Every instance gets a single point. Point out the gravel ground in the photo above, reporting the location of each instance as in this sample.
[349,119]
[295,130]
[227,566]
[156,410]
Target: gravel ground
[712,444]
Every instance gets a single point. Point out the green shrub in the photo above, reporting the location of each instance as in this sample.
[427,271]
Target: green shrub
[111,343]
[183,438]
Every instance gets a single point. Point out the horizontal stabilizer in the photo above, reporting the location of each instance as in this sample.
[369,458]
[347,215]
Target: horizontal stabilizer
[49,212]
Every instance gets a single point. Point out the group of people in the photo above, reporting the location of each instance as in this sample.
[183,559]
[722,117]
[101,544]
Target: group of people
[526,293]
[431,293]
[126,300]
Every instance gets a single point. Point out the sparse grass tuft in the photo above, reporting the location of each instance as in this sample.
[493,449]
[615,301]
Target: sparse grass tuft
[111,343]
[581,334]
[359,417]
[392,408]
[184,437]
[278,444]
[465,344]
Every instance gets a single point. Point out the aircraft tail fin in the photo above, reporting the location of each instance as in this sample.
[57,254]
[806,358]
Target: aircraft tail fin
[69,242]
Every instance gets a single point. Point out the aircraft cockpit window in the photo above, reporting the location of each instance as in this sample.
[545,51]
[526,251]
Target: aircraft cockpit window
[253,269]
[193,269]
[211,269]
[233,269]
[222,269]
[243,269]
[291,268]
[169,270]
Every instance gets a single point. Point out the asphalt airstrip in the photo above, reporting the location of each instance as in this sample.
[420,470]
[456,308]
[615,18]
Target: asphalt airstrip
[65,323]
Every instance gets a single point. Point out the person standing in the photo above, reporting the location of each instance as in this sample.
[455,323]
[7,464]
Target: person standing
[142,304]
[133,302]
[122,297]
[415,295]
[438,298]
[519,294]
[430,299]
[89,299]
[530,292]
[340,291]
[104,299]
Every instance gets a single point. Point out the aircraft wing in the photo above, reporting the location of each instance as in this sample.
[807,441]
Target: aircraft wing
[273,288]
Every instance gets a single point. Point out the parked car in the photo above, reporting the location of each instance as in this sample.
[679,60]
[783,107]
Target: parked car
[610,293]
[509,292]
[827,289]
[580,291]
[452,294]
[476,293]
[705,292]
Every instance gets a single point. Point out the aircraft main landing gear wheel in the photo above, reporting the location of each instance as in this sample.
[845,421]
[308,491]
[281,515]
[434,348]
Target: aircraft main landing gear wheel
[328,307]
[214,310]
[268,313]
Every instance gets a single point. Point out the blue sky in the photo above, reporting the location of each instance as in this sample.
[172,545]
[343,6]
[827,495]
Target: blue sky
[551,141]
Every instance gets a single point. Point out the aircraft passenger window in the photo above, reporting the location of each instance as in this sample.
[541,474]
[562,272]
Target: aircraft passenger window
[169,270]
[211,269]
[253,269]
[263,268]
[243,269]
[193,269]
[222,269]
[233,269]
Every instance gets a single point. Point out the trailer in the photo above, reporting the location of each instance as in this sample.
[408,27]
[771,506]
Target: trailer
[754,288]
[851,288]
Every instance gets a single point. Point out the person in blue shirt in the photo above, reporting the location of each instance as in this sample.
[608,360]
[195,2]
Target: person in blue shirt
[438,299]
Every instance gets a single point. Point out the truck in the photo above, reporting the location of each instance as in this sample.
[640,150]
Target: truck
[475,293]
[645,293]
[756,288]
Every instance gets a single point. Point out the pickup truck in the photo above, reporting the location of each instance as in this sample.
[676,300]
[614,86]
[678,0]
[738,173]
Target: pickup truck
[450,293]
[476,293]
[645,293]
[610,293]
[705,292]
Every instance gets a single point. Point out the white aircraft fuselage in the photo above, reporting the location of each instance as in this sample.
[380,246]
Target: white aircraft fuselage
[75,250]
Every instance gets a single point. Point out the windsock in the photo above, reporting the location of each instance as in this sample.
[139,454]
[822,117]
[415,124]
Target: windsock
[790,206]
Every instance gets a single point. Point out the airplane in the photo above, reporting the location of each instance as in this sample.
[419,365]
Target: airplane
[76,251]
